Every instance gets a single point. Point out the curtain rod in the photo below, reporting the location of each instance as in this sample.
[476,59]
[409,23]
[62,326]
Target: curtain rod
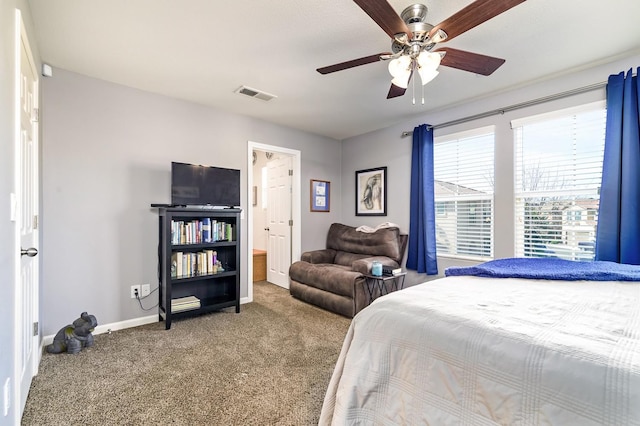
[501,111]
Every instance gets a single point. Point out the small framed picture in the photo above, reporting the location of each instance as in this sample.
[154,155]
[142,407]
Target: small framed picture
[320,195]
[371,192]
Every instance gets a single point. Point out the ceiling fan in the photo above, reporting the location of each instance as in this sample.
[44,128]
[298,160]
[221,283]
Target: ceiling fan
[413,41]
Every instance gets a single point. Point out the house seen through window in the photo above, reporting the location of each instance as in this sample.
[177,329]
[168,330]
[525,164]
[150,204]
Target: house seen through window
[558,173]
[463,192]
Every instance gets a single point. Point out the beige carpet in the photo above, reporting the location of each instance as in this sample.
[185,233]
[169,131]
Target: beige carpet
[268,365]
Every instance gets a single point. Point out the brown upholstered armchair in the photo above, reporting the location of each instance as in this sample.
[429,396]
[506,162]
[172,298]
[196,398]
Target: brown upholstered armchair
[332,278]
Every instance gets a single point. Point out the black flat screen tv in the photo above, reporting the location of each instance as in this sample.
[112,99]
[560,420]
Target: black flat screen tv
[197,185]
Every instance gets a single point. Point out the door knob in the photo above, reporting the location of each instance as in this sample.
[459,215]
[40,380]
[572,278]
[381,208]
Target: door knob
[31,252]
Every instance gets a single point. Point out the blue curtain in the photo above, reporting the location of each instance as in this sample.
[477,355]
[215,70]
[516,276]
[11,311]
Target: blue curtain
[618,234]
[422,224]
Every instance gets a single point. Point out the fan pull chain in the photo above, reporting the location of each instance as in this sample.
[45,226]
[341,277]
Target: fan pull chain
[422,94]
[414,85]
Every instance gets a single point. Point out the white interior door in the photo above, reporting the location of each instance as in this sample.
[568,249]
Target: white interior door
[26,217]
[279,221]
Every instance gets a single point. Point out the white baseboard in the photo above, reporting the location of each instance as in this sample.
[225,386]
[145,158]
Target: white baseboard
[100,329]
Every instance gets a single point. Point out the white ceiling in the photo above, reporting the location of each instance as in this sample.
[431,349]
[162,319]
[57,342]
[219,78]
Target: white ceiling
[203,50]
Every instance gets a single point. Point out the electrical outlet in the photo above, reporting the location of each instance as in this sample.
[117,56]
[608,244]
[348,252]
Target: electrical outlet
[135,288]
[146,289]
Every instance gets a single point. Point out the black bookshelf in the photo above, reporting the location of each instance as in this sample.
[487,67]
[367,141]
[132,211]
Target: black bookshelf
[200,284]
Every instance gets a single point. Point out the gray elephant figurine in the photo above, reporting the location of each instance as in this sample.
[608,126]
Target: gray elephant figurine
[73,337]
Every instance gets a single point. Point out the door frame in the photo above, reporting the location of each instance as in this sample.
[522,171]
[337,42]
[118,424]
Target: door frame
[295,206]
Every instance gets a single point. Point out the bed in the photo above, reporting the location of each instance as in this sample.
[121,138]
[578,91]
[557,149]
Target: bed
[496,344]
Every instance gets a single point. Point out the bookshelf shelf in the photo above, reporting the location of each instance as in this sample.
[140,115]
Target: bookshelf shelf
[177,280]
[198,257]
[204,245]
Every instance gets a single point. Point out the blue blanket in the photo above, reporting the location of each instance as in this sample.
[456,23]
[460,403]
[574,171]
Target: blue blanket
[550,269]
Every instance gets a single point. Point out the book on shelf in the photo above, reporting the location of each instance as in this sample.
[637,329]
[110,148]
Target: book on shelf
[388,271]
[185,307]
[229,232]
[200,264]
[210,259]
[206,230]
[215,230]
[176,259]
[184,300]
[185,303]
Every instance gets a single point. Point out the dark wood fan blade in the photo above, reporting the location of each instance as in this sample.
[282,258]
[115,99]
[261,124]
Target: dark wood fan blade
[384,15]
[472,62]
[473,15]
[395,91]
[350,64]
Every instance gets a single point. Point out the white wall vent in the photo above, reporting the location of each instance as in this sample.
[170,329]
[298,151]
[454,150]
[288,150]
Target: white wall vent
[254,93]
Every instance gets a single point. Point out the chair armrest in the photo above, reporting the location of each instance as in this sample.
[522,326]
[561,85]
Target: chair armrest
[364,265]
[319,256]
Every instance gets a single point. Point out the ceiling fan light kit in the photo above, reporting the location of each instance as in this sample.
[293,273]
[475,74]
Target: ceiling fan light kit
[413,41]
[426,75]
[401,81]
[400,69]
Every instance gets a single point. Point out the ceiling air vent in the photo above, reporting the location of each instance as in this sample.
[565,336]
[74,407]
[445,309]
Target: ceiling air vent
[254,93]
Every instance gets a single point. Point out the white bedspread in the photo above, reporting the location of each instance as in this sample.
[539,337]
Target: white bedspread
[483,351]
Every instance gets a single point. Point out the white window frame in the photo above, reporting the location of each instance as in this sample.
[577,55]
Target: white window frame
[441,213]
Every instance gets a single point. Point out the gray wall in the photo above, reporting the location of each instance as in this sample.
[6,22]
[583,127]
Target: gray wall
[7,152]
[106,157]
[386,147]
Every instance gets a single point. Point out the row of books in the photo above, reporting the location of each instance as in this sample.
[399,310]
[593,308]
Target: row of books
[185,304]
[197,231]
[189,264]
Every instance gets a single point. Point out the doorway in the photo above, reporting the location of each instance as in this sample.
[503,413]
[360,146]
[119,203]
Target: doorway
[273,213]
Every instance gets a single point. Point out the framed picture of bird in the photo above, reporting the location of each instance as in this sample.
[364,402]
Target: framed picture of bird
[371,192]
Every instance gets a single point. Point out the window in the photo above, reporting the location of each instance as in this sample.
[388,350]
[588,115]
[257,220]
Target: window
[558,172]
[463,189]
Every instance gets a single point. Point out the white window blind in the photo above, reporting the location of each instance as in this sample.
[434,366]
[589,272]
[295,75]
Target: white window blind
[558,173]
[463,190]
